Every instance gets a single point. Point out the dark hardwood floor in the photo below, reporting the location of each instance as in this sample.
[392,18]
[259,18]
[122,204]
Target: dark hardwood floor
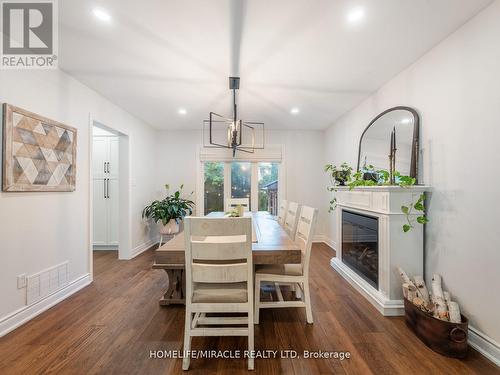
[111,326]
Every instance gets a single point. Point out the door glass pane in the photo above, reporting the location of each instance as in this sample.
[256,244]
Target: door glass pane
[268,187]
[241,180]
[214,187]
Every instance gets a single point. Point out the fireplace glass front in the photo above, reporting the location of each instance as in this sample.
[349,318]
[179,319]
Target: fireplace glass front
[360,245]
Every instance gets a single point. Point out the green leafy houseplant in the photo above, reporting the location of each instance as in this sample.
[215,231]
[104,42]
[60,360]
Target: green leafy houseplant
[172,207]
[339,175]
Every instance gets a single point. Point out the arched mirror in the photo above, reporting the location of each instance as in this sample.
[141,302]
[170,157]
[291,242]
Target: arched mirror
[397,128]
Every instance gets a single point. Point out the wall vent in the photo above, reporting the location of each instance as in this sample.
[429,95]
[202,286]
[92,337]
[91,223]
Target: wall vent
[46,282]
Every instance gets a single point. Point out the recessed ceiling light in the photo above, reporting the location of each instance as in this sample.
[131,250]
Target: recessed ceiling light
[294,111]
[101,14]
[182,111]
[356,15]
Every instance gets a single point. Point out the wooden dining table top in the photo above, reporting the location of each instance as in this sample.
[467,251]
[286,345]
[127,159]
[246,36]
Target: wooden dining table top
[270,243]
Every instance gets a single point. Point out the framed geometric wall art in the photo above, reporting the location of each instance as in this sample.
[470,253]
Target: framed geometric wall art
[39,154]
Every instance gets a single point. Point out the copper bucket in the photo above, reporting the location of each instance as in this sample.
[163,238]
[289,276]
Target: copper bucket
[446,338]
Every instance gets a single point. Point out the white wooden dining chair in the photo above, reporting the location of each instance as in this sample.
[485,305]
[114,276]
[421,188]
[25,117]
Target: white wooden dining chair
[233,202]
[282,212]
[291,219]
[219,280]
[296,275]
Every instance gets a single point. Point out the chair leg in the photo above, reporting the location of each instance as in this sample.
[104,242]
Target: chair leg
[187,341]
[307,300]
[251,344]
[257,300]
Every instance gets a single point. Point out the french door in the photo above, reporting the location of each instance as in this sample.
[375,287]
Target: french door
[256,181]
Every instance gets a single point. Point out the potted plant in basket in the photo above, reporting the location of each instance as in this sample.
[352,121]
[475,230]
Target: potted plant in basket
[170,211]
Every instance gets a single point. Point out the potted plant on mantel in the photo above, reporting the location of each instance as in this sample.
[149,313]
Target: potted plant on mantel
[370,177]
[169,211]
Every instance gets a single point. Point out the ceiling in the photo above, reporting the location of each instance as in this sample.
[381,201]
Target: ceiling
[156,56]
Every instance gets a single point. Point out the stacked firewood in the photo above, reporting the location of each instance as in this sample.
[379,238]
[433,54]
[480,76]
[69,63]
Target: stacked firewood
[438,303]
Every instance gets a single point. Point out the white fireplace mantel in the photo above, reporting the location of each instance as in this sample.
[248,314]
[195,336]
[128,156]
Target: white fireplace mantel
[395,248]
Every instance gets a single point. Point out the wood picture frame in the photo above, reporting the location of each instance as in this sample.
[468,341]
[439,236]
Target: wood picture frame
[39,154]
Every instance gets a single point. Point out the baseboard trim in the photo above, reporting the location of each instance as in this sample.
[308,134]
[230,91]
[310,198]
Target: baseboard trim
[330,243]
[484,345]
[143,247]
[14,320]
[326,240]
[105,247]
[319,238]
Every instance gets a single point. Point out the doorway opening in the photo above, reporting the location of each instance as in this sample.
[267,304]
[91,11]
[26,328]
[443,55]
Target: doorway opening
[109,193]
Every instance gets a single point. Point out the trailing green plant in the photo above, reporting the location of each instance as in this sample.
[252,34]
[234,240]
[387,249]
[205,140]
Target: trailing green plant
[357,179]
[418,206]
[338,177]
[404,181]
[172,207]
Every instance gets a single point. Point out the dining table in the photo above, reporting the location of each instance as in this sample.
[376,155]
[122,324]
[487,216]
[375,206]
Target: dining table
[271,244]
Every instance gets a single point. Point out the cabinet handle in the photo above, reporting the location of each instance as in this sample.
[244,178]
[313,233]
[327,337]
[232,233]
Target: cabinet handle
[108,188]
[108,166]
[104,187]
[104,167]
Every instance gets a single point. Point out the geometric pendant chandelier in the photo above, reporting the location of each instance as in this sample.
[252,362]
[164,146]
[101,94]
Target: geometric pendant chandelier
[233,133]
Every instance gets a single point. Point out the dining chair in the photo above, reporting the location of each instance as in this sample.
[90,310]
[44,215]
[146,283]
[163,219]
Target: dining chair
[282,212]
[291,219]
[296,275]
[233,202]
[219,280]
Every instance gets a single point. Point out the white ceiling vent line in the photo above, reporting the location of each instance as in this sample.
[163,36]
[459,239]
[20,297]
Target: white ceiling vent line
[44,283]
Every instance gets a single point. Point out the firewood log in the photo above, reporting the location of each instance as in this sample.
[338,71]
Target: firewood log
[417,301]
[420,303]
[412,292]
[441,310]
[454,312]
[447,297]
[424,293]
[404,276]
[408,281]
[405,290]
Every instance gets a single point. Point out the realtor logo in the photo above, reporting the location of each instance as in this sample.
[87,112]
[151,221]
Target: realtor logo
[29,34]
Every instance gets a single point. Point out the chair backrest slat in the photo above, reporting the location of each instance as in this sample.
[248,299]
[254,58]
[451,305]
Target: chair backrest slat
[219,273]
[291,218]
[217,226]
[217,248]
[233,202]
[282,212]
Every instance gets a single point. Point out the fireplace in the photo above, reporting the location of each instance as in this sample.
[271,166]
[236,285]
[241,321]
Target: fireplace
[360,245]
[371,244]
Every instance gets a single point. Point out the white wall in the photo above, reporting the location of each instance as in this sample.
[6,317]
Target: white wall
[456,89]
[177,152]
[38,230]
